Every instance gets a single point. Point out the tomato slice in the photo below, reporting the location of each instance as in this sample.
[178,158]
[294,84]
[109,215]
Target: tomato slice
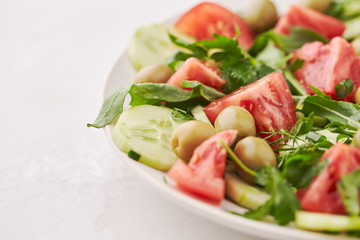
[203,176]
[326,65]
[322,194]
[205,19]
[194,69]
[325,25]
[269,101]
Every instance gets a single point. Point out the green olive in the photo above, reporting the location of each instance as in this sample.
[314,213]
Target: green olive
[356,44]
[261,15]
[254,153]
[157,73]
[320,121]
[356,139]
[299,115]
[238,118]
[318,5]
[188,136]
[357,96]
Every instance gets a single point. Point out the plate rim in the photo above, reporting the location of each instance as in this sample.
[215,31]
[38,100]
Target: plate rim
[251,227]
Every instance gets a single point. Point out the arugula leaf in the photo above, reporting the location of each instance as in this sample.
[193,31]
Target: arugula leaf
[297,38]
[295,86]
[319,92]
[334,111]
[343,88]
[154,94]
[303,125]
[348,188]
[300,169]
[111,108]
[282,204]
[345,129]
[288,43]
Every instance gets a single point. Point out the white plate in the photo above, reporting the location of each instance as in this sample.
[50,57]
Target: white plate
[121,76]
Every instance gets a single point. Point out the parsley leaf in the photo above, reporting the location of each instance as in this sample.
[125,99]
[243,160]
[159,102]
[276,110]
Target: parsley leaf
[235,64]
[282,204]
[300,169]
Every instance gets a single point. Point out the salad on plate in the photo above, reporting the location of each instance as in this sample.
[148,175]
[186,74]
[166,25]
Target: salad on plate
[261,109]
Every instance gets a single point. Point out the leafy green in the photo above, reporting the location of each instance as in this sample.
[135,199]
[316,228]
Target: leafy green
[344,9]
[179,115]
[297,38]
[300,169]
[296,64]
[319,92]
[273,56]
[235,64]
[345,129]
[154,94]
[335,111]
[111,108]
[303,125]
[343,88]
[287,43]
[241,73]
[348,188]
[315,137]
[295,86]
[282,204]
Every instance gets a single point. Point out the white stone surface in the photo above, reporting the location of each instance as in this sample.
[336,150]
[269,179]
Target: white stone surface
[59,179]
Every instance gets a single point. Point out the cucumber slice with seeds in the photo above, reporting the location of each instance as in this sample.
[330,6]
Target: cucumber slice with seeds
[151,45]
[146,130]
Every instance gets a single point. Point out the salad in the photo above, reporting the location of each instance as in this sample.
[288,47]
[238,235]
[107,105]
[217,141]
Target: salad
[260,109]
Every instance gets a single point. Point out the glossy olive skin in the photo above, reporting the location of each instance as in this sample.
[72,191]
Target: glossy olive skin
[261,15]
[157,73]
[357,96]
[356,139]
[318,5]
[188,136]
[238,118]
[254,153]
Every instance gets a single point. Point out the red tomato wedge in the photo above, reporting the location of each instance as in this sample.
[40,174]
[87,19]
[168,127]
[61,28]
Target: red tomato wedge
[326,65]
[308,18]
[205,19]
[269,101]
[322,194]
[203,175]
[194,69]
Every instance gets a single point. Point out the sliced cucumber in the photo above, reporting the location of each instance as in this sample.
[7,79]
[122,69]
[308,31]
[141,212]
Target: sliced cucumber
[199,114]
[326,222]
[146,130]
[151,45]
[352,29]
[244,194]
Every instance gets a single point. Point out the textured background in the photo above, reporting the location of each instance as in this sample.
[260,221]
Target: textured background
[58,178]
